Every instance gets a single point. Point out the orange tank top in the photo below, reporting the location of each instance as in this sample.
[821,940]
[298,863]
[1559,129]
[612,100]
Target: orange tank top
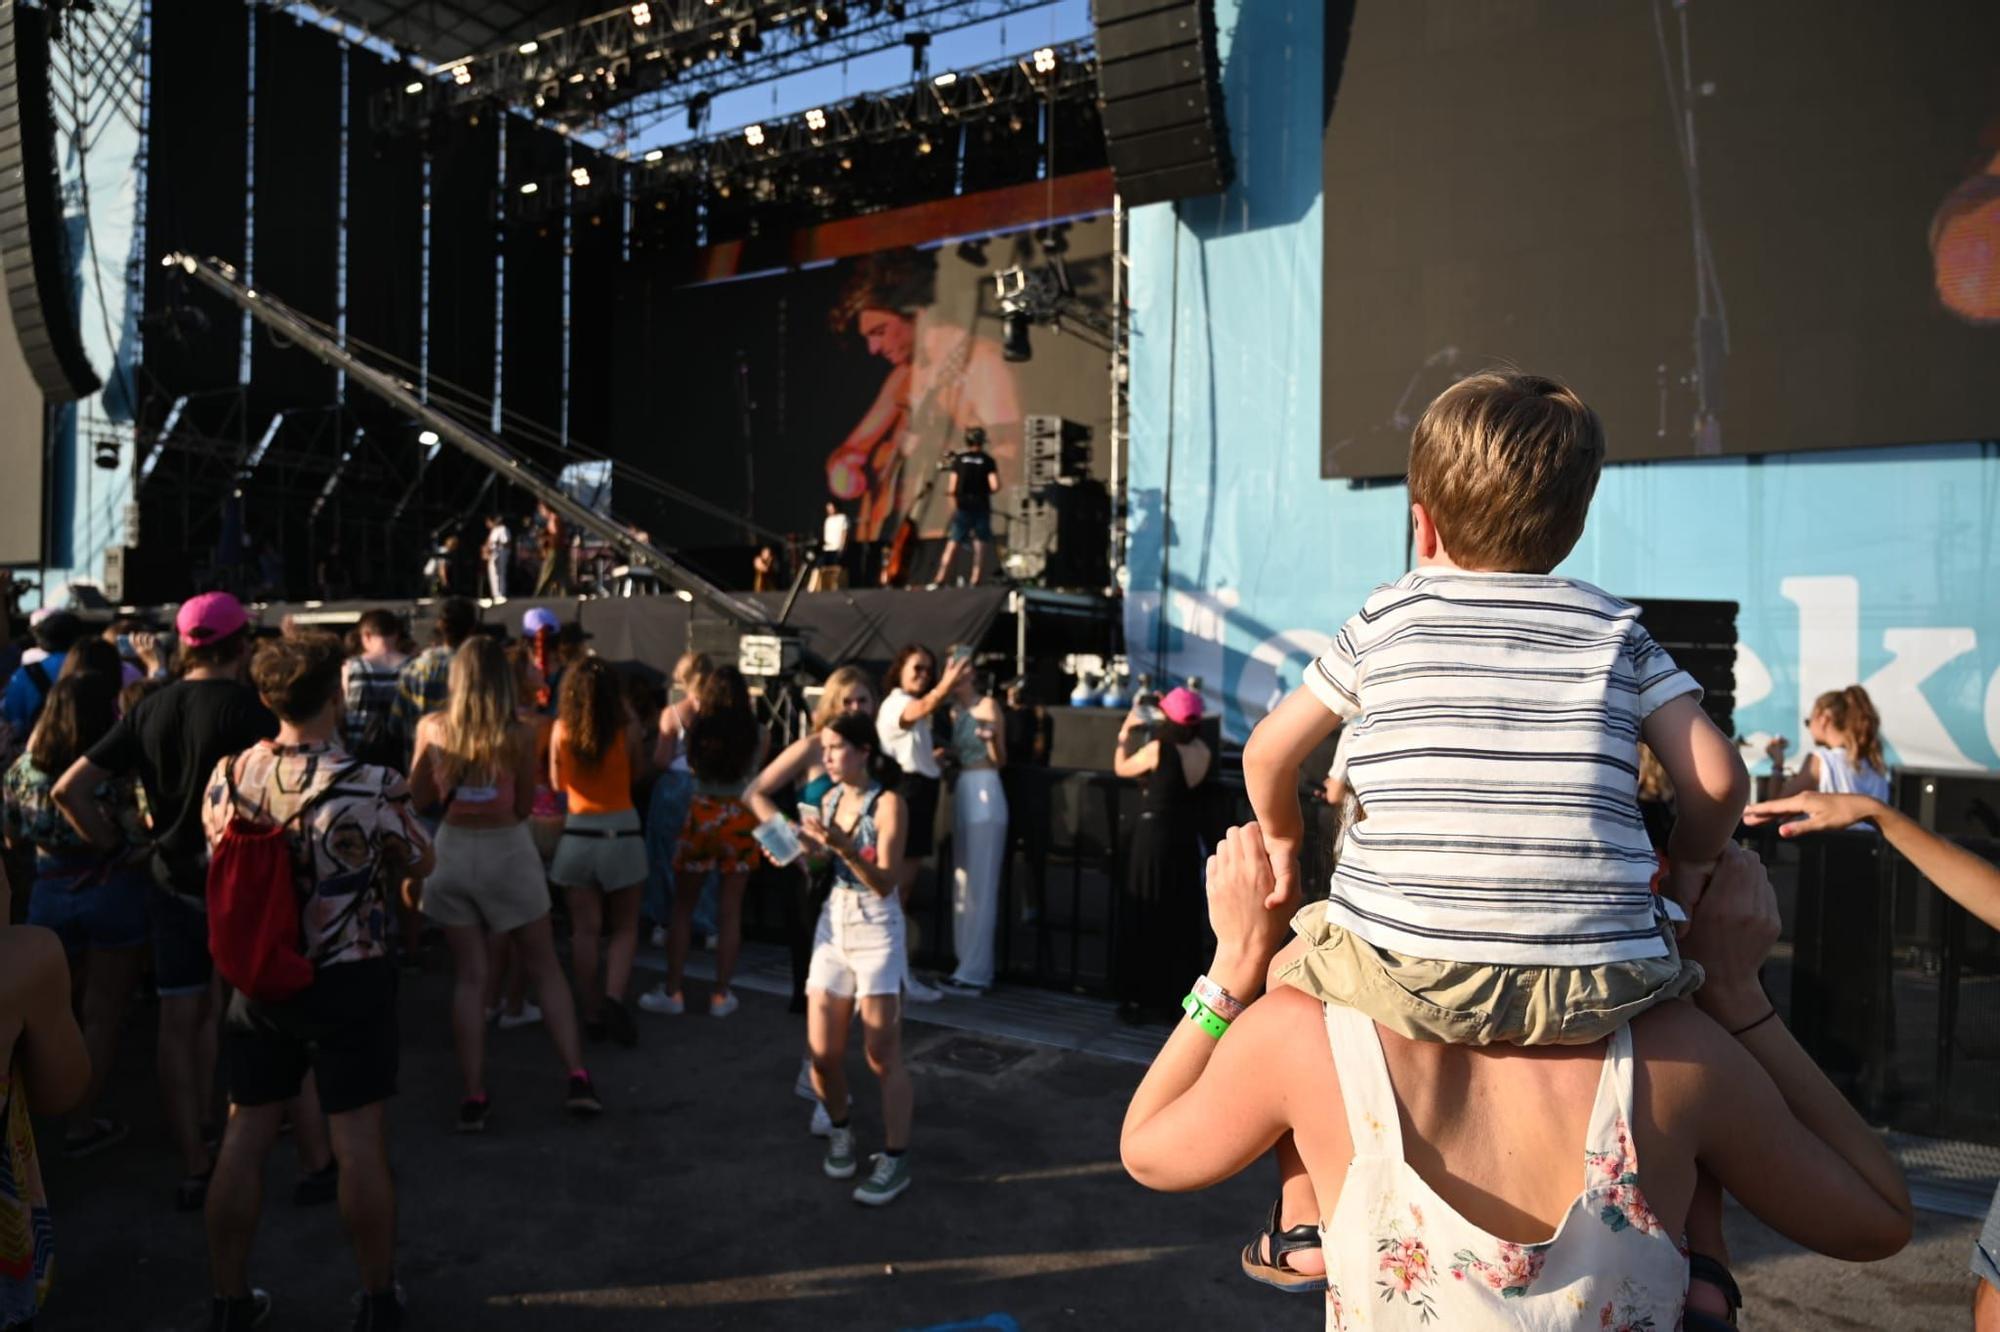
[601,788]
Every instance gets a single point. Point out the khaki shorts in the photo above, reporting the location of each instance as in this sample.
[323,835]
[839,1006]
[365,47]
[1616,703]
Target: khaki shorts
[601,851]
[486,876]
[1480,1003]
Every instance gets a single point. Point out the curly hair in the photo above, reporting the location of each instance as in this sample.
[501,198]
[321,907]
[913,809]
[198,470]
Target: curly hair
[722,741]
[592,709]
[894,679]
[904,281]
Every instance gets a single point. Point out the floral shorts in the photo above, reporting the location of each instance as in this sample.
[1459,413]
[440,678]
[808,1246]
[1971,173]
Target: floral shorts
[718,838]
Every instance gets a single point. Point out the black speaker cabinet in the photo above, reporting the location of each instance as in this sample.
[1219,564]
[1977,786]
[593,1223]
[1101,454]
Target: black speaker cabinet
[32,244]
[1160,96]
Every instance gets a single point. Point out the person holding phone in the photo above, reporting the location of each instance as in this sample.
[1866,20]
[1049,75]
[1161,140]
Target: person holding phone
[1157,939]
[978,829]
[914,693]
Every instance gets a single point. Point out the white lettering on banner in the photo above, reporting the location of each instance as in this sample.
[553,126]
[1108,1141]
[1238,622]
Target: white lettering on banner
[1263,684]
[1753,678]
[1993,712]
[1830,659]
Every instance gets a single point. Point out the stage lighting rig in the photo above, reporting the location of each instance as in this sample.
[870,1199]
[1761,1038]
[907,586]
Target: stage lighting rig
[1045,296]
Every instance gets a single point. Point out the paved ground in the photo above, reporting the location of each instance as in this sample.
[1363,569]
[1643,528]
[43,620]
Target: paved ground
[697,1203]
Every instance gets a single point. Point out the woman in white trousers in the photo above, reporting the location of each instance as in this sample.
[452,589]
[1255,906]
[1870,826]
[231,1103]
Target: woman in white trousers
[978,834]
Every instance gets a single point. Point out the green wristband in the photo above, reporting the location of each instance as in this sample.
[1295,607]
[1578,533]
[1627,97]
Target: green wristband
[1204,1017]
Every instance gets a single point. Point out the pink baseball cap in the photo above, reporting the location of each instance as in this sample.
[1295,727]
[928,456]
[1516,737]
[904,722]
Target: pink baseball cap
[1182,705]
[208,617]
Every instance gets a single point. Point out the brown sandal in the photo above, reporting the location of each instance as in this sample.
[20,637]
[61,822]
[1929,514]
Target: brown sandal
[1277,1273]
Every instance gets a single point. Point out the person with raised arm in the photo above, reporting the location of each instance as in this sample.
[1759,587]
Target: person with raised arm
[1502,1186]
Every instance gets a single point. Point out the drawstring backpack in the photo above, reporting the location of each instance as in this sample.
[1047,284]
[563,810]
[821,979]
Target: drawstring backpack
[253,902]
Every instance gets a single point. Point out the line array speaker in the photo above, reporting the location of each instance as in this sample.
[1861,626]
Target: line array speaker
[33,247]
[1160,94]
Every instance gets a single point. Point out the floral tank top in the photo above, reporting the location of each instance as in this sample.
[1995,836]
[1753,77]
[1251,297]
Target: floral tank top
[1399,1257]
[27,1239]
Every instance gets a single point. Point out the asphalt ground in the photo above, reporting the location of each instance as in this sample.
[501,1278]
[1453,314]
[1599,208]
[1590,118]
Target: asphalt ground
[697,1202]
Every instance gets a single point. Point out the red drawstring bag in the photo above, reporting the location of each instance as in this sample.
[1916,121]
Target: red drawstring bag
[253,901]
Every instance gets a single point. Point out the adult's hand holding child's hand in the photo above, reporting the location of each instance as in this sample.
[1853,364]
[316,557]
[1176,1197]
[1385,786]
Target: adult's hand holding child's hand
[1250,914]
[1731,934]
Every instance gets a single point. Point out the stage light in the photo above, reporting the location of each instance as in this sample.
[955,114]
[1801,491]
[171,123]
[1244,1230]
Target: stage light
[580,177]
[946,79]
[530,188]
[414,88]
[427,437]
[1014,338]
[642,14]
[105,454]
[816,120]
[1045,60]
[576,77]
[461,74]
[744,40]
[754,135]
[656,155]
[528,48]
[923,145]
[847,164]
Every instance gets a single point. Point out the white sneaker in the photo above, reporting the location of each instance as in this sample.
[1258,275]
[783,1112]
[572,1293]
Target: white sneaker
[529,1015]
[657,1000]
[822,1122]
[839,1162]
[802,1085]
[723,1006]
[659,936]
[919,993]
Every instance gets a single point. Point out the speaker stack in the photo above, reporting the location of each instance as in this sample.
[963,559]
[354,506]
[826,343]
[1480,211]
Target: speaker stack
[32,246]
[1159,92]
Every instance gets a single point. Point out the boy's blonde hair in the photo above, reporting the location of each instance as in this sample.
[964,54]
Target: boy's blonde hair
[1506,463]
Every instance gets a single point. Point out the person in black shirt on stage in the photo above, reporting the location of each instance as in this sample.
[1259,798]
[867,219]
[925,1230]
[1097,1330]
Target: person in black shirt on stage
[974,479]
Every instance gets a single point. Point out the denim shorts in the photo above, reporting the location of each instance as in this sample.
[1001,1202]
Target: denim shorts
[87,906]
[976,525]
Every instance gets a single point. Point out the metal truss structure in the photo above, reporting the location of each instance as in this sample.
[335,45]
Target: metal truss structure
[624,71]
[767,155]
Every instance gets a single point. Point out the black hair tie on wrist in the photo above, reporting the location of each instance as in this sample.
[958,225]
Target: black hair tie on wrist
[1758,1023]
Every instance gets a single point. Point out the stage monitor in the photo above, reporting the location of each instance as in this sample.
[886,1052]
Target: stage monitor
[1735,228]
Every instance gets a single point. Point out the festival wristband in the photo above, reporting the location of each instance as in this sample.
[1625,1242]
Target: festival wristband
[1218,1000]
[1200,1014]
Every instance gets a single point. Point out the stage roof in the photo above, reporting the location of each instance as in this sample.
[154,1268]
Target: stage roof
[442,30]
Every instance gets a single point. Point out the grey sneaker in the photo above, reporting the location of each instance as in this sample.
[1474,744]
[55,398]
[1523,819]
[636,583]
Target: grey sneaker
[889,1178]
[839,1163]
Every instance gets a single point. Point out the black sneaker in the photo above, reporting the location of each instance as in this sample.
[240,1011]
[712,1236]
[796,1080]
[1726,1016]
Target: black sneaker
[472,1114]
[618,1023]
[379,1313]
[582,1100]
[240,1313]
[318,1188]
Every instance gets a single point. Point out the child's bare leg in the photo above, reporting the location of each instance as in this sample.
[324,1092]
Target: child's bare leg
[1704,1236]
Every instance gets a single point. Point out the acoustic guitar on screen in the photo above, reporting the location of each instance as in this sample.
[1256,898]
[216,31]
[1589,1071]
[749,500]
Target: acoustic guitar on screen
[873,467]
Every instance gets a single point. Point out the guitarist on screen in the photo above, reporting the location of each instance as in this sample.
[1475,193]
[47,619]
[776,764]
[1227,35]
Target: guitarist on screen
[943,378]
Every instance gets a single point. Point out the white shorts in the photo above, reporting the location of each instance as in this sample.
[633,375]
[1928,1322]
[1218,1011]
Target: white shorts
[858,947]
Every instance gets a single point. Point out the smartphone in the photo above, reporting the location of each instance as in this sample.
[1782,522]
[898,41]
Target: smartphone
[961,653]
[809,814]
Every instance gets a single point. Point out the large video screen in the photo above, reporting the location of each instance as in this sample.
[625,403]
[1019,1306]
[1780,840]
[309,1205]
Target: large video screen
[848,383]
[1734,227]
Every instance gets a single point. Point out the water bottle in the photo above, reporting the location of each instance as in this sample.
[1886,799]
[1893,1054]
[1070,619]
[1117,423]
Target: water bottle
[779,840]
[1114,695]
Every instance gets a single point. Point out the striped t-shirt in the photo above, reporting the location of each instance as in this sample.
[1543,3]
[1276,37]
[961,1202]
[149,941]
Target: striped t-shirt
[1494,729]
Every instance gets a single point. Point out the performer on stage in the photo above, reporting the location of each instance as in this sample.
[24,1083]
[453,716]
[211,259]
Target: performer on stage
[943,377]
[499,553]
[554,580]
[974,482]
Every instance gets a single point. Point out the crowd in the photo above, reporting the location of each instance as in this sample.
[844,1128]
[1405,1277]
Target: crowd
[271,828]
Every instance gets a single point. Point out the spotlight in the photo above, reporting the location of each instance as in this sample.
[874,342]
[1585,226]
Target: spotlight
[427,437]
[846,163]
[414,87]
[1014,338]
[754,135]
[580,176]
[816,120]
[461,74]
[642,14]
[744,40]
[530,188]
[105,454]
[576,77]
[946,79]
[528,48]
[656,155]
[1045,60]
[923,145]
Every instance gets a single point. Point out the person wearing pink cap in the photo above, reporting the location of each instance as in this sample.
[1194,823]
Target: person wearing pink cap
[1162,892]
[172,740]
